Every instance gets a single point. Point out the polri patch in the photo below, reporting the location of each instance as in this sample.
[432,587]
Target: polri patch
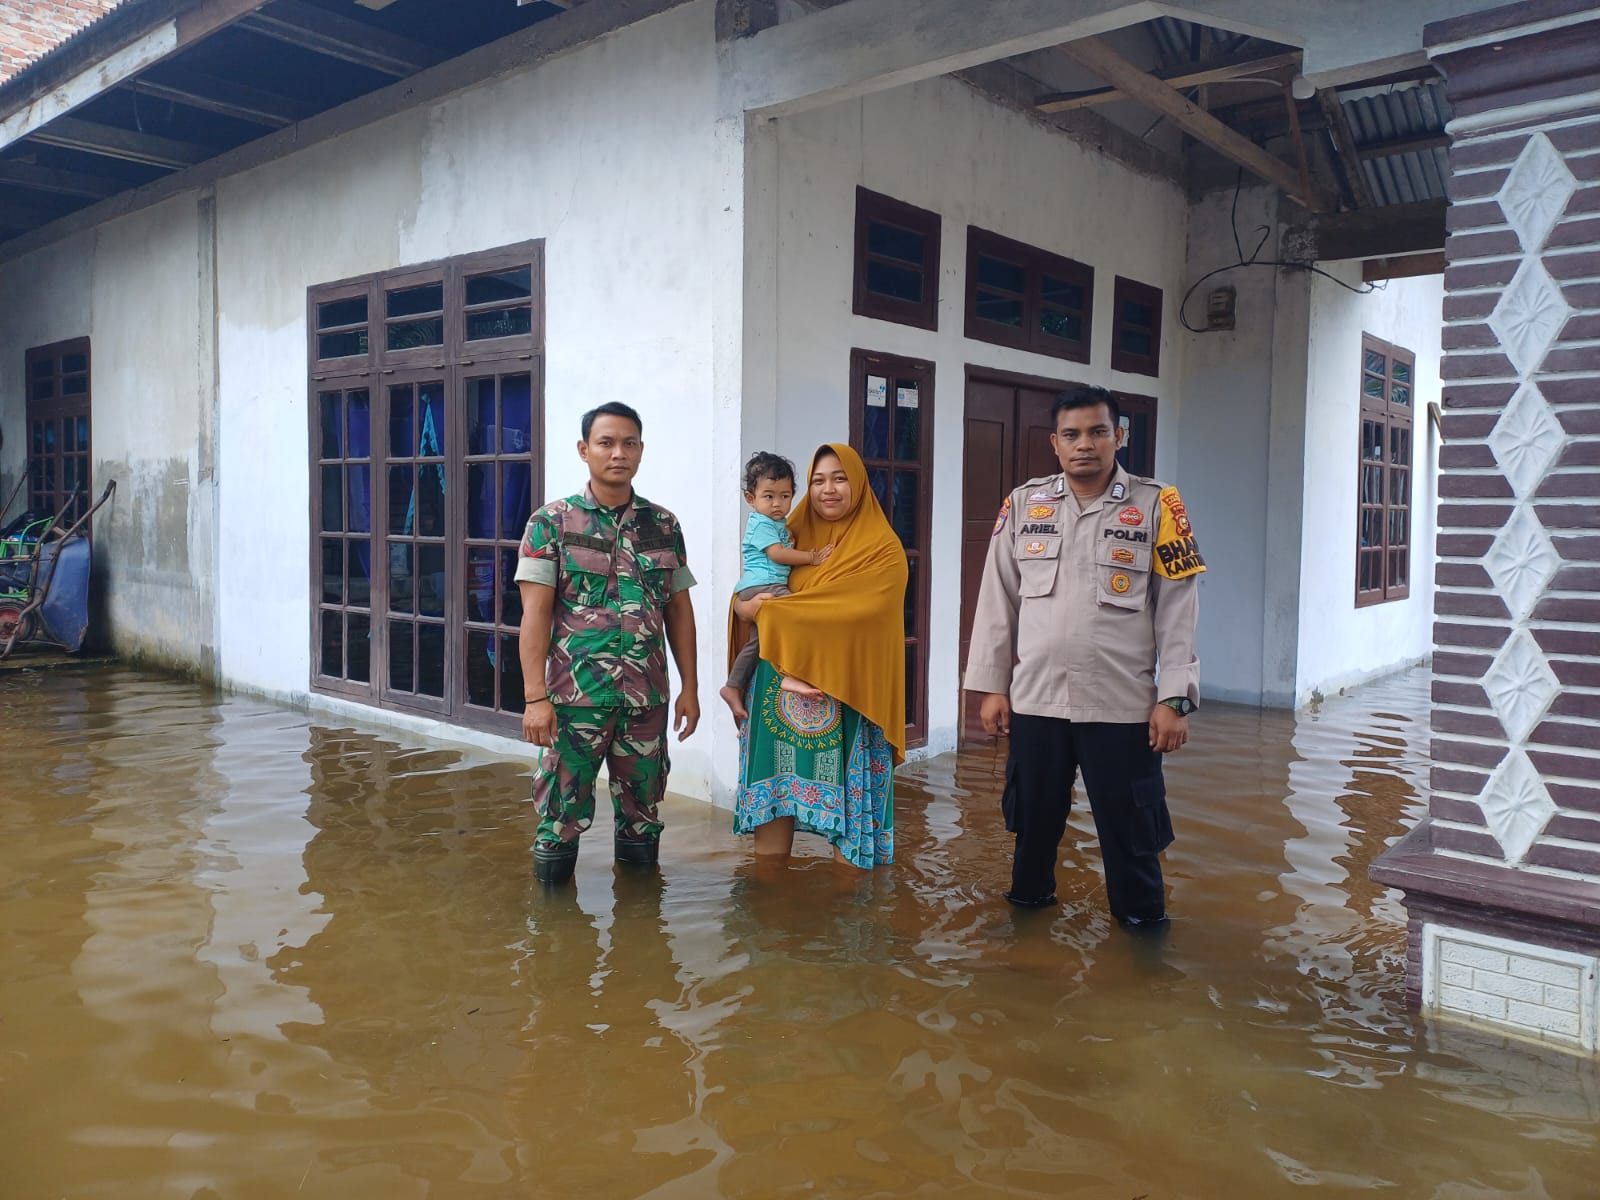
[1000,520]
[1131,516]
[1122,554]
[1041,512]
[1034,547]
[1120,583]
[1118,491]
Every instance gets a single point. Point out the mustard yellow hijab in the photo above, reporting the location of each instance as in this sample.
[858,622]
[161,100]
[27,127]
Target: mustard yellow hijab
[843,629]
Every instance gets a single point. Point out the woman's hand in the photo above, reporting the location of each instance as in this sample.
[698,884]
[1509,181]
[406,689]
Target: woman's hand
[818,557]
[746,610]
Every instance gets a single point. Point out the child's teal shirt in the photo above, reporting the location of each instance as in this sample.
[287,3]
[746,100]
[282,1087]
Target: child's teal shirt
[761,531]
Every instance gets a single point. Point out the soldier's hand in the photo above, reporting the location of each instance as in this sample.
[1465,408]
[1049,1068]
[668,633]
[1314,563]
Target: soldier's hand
[539,723]
[995,714]
[1168,731]
[686,714]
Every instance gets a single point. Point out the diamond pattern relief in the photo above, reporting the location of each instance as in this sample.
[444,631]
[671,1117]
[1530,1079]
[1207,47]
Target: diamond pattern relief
[1527,440]
[1516,805]
[1529,316]
[1536,192]
[1521,561]
[1520,685]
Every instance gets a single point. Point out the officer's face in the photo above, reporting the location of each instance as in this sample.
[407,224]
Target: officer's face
[1086,441]
[830,488]
[613,450]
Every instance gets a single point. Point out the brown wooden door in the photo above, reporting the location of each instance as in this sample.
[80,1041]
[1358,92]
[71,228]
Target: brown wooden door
[1007,441]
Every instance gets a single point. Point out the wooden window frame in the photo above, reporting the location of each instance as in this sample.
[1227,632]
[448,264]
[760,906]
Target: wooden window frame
[452,364]
[863,363]
[47,469]
[1131,291]
[1131,404]
[1392,418]
[875,206]
[1035,264]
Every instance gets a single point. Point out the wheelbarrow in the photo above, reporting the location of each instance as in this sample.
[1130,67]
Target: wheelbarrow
[44,579]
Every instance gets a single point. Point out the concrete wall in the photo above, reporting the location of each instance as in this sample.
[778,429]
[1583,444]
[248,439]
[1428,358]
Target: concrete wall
[138,288]
[940,146]
[1342,644]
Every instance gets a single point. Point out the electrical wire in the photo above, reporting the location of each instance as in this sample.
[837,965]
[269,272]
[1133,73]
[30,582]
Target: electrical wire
[1250,260]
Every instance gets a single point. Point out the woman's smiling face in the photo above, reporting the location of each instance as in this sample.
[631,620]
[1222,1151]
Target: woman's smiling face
[830,488]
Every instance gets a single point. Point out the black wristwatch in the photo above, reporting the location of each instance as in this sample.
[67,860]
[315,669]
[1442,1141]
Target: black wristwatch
[1181,705]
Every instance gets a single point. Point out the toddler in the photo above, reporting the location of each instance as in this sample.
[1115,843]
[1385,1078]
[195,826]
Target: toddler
[768,552]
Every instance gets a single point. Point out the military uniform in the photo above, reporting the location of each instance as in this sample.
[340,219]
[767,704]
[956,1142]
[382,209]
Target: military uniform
[1085,619]
[613,571]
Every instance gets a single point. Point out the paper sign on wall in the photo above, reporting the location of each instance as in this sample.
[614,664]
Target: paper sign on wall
[877,391]
[906,397]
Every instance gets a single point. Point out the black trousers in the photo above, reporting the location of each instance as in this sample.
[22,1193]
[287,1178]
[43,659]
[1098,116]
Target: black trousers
[1127,796]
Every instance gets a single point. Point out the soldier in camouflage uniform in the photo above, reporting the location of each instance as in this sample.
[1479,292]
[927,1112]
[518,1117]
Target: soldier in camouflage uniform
[604,579]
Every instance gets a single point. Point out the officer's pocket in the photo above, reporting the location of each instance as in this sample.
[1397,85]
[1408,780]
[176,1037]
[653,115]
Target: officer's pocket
[1008,798]
[1037,560]
[657,568]
[1123,574]
[1152,825]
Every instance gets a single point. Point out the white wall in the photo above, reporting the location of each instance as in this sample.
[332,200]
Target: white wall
[940,146]
[1341,644]
[606,153]
[133,287]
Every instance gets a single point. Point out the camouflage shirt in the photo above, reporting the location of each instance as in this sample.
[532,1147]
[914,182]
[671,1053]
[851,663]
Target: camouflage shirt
[613,571]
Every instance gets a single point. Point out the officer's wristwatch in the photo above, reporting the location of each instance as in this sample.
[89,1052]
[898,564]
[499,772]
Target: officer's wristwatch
[1181,705]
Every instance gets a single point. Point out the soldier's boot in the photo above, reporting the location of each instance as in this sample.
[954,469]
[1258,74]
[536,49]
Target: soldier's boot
[644,854]
[553,864]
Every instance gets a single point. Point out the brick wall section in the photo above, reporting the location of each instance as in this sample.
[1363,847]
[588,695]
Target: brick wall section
[1519,515]
[30,29]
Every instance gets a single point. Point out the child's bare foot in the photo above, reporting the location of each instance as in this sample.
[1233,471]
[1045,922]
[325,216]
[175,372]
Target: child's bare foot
[735,702]
[800,687]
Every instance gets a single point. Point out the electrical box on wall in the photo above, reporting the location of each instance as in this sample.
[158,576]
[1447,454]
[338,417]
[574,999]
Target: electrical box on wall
[1219,308]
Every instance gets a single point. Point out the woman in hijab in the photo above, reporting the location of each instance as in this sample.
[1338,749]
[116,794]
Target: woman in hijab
[824,762]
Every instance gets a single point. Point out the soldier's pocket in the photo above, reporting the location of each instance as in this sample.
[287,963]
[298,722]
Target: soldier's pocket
[657,568]
[1152,824]
[1037,560]
[589,569]
[1122,573]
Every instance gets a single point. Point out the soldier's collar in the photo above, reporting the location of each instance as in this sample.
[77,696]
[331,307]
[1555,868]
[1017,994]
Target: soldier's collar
[587,500]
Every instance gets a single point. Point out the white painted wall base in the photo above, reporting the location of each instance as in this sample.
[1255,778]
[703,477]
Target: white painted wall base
[1514,987]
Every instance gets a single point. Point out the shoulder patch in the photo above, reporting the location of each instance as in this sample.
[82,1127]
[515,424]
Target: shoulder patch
[1177,551]
[1000,518]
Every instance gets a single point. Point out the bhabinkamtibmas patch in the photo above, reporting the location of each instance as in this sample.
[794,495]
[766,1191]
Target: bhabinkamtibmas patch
[1177,552]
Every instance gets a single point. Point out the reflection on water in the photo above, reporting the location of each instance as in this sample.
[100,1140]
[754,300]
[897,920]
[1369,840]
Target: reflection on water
[250,955]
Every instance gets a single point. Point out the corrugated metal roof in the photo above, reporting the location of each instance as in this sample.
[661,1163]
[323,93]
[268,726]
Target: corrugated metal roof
[1399,115]
[1174,37]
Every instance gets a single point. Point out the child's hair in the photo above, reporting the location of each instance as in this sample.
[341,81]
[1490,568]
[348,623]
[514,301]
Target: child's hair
[765,465]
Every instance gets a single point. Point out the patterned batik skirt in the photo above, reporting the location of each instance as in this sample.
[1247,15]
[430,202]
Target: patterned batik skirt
[820,762]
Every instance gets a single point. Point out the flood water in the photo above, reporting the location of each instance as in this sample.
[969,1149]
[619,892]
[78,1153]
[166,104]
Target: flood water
[250,953]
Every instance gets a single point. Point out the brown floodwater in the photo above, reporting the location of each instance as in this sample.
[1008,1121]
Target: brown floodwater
[251,953]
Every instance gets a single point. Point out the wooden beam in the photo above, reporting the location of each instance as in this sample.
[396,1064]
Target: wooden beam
[1383,232]
[1429,141]
[1344,147]
[18,214]
[1094,55]
[221,96]
[111,142]
[1292,107]
[1405,266]
[1219,72]
[65,183]
[344,38]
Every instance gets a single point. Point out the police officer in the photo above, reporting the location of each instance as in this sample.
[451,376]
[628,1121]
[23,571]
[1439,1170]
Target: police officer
[603,576]
[1083,649]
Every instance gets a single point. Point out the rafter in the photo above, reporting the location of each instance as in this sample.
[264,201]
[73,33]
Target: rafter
[1344,147]
[65,183]
[1094,55]
[110,142]
[222,96]
[1217,72]
[344,38]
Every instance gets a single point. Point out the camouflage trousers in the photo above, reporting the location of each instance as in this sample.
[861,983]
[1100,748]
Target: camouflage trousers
[633,744]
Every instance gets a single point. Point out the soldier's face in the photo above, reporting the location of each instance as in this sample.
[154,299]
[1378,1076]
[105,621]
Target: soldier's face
[830,488]
[1086,441]
[613,450]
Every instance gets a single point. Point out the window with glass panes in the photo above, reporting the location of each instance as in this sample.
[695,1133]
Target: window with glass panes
[58,429]
[1027,298]
[426,386]
[891,427]
[1135,327]
[1383,502]
[897,261]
